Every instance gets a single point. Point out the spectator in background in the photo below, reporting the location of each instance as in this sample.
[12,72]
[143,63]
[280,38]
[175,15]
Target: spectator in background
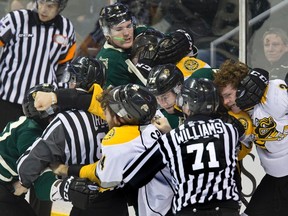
[16,5]
[275,43]
[34,44]
[20,4]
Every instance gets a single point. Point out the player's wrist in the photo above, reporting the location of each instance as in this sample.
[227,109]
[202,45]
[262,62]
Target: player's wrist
[74,170]
[53,98]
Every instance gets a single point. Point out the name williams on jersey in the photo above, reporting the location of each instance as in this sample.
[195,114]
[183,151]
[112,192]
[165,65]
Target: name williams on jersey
[200,129]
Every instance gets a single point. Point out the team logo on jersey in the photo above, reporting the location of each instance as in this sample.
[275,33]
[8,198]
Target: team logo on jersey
[60,39]
[110,134]
[244,122]
[265,130]
[191,64]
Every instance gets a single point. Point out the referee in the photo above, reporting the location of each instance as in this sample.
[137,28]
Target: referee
[73,137]
[34,44]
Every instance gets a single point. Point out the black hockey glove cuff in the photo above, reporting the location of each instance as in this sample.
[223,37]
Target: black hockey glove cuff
[252,88]
[69,99]
[81,192]
[175,46]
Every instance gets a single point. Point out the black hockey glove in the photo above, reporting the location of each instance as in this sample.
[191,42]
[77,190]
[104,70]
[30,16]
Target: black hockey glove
[174,47]
[146,60]
[81,192]
[252,88]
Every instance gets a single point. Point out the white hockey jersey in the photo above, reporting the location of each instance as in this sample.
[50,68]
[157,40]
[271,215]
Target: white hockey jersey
[120,147]
[270,120]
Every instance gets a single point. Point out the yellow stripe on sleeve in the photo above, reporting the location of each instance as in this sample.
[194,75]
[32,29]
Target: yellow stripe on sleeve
[88,171]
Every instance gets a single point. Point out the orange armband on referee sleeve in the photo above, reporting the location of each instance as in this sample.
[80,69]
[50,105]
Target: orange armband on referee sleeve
[1,43]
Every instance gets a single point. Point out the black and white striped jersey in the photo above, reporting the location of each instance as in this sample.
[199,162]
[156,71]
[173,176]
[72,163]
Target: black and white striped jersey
[32,52]
[73,137]
[201,156]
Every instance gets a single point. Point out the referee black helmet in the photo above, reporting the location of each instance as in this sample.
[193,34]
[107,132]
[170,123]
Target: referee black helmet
[201,95]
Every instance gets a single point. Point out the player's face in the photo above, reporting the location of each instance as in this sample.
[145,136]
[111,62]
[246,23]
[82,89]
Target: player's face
[110,119]
[274,47]
[47,10]
[228,94]
[122,35]
[167,101]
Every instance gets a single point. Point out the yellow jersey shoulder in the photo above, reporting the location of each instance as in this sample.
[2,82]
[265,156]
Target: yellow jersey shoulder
[245,120]
[120,135]
[188,65]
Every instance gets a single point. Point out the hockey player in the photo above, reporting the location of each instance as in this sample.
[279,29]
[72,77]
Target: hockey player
[164,82]
[119,28]
[266,103]
[131,108]
[14,140]
[172,48]
[193,179]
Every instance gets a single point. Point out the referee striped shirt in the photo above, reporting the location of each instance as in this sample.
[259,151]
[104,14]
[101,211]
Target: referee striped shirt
[73,137]
[32,51]
[202,158]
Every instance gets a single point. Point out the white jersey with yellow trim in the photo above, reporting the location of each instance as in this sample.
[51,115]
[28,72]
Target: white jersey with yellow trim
[121,147]
[270,120]
[188,65]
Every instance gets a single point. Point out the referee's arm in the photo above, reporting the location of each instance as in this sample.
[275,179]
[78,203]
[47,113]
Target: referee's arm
[143,168]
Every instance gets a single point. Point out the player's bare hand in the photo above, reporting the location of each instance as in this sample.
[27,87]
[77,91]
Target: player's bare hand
[44,100]
[161,123]
[19,189]
[60,169]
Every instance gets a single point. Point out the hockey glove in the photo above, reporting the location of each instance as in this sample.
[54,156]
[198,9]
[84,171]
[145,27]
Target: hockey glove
[252,88]
[146,59]
[174,47]
[81,192]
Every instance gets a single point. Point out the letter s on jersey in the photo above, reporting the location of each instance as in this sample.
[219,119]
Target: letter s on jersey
[156,134]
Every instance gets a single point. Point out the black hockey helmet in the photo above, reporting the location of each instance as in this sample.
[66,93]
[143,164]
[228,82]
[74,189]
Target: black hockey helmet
[133,103]
[201,95]
[28,103]
[113,15]
[149,38]
[62,3]
[85,71]
[163,78]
